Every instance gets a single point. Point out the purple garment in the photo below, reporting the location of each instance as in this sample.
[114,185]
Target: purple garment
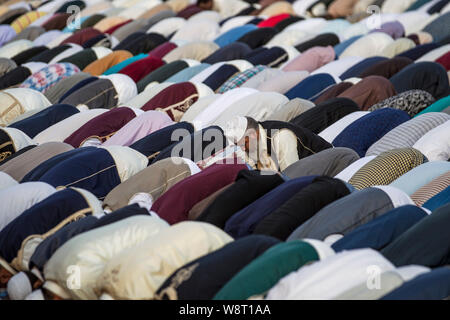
[6,34]
[46,37]
[139,128]
[393,28]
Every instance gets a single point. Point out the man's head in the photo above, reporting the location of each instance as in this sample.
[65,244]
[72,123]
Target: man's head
[205,4]
[243,132]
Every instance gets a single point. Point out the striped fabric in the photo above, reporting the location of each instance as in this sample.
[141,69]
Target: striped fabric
[431,189]
[408,133]
[239,79]
[387,167]
[26,19]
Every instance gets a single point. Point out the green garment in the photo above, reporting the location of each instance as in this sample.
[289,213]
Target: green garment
[263,273]
[161,74]
[438,106]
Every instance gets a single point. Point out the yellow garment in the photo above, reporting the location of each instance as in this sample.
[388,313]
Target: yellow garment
[26,19]
[139,271]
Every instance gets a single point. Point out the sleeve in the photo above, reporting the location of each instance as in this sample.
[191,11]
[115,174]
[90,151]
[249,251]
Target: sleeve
[284,143]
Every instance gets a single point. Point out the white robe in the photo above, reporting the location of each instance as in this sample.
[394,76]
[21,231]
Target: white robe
[330,277]
[18,198]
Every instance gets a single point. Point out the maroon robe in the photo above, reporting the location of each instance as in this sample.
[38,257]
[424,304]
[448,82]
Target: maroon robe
[174,100]
[102,126]
[174,205]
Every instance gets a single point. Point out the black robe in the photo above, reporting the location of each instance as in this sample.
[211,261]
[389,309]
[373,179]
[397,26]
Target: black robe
[302,206]
[248,187]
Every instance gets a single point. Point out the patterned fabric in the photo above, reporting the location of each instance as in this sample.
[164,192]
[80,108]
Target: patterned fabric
[47,77]
[25,20]
[412,101]
[428,191]
[239,79]
[408,133]
[386,168]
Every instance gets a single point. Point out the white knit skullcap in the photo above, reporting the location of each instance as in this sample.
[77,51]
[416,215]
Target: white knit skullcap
[235,129]
[332,238]
[144,200]
[19,286]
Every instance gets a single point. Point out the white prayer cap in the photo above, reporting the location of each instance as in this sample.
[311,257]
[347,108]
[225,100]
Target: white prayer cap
[332,238]
[235,129]
[35,295]
[144,200]
[19,286]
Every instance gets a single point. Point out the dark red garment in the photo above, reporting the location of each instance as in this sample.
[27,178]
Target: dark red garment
[102,126]
[117,26]
[163,49]
[273,21]
[174,205]
[57,22]
[82,36]
[139,69]
[445,61]
[173,100]
[189,11]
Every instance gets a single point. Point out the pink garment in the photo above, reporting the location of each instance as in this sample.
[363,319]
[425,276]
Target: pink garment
[311,59]
[139,128]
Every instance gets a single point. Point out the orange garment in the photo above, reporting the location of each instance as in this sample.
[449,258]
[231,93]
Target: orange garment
[99,66]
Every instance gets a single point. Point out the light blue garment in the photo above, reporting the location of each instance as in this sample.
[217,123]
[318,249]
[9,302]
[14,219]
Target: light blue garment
[186,74]
[438,200]
[339,48]
[73,26]
[123,64]
[6,33]
[46,37]
[411,181]
[336,26]
[234,34]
